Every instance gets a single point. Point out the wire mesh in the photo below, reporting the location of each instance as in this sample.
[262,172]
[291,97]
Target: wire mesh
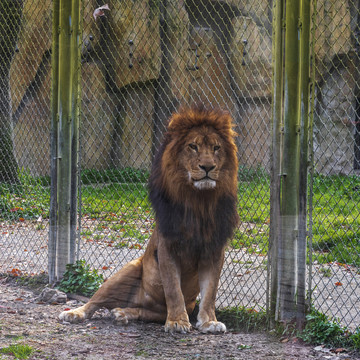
[140,61]
[137,70]
[336,219]
[25,194]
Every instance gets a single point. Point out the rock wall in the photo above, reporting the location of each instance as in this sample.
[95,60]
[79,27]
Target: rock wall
[337,78]
[141,61]
[334,123]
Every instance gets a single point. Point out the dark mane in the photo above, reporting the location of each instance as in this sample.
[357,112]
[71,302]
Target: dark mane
[191,232]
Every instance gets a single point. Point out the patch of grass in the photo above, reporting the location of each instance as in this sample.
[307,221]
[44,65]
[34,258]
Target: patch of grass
[126,199]
[142,353]
[19,351]
[336,219]
[80,279]
[27,200]
[120,197]
[254,211]
[242,319]
[125,175]
[320,330]
[33,282]
[246,174]
[326,272]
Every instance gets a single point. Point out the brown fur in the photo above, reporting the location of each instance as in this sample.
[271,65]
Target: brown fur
[193,189]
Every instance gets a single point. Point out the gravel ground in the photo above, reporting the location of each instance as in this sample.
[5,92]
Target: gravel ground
[26,320]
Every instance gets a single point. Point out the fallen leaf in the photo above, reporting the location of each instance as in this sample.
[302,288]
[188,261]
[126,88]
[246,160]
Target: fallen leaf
[130,335]
[252,311]
[15,272]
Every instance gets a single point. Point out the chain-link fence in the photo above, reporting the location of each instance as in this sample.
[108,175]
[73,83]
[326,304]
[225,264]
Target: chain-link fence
[335,220]
[140,61]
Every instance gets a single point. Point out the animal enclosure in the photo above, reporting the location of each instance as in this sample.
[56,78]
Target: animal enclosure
[137,62]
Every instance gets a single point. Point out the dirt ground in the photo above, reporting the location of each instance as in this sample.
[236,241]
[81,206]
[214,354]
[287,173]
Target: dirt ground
[26,320]
[335,287]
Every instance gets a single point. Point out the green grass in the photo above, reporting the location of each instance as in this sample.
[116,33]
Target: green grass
[336,217]
[320,330]
[19,351]
[27,200]
[127,199]
[254,211]
[242,319]
[79,278]
[117,204]
[125,175]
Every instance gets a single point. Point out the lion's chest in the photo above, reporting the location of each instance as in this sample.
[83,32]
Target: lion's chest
[194,235]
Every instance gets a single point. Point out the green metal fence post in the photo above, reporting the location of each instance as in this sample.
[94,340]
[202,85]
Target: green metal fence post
[290,179]
[289,160]
[64,138]
[275,233]
[65,105]
[54,138]
[75,114]
[305,15]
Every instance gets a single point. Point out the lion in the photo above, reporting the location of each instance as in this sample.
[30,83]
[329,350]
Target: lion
[193,191]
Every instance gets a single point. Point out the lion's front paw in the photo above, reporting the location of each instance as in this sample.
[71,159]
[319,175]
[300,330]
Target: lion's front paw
[120,315]
[73,316]
[181,326]
[212,327]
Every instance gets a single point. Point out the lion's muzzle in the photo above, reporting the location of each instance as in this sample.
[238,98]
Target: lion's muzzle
[204,184]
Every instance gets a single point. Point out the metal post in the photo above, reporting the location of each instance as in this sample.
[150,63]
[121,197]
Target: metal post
[304,157]
[289,159]
[64,137]
[65,103]
[311,148]
[290,179]
[75,113]
[276,155]
[54,137]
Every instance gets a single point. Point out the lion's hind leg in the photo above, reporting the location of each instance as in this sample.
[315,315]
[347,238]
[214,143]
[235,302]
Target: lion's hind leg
[121,290]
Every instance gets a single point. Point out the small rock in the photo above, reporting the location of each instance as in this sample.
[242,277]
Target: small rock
[52,296]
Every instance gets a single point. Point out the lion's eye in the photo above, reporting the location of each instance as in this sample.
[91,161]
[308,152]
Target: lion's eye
[193,147]
[216,147]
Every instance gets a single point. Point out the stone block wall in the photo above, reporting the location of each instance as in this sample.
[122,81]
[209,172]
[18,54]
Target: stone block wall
[141,61]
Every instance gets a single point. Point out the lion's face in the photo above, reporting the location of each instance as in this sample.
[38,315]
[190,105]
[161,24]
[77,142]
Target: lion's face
[197,163]
[202,158]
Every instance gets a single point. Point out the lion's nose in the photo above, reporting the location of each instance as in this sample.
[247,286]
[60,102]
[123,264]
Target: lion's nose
[207,168]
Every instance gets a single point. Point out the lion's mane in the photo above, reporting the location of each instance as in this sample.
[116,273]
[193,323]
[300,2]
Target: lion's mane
[194,222]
